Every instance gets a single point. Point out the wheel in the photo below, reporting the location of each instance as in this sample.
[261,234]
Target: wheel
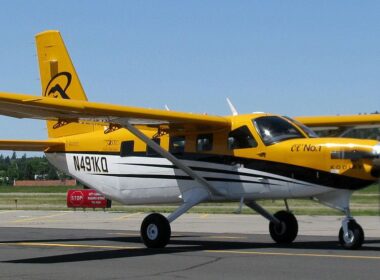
[354,238]
[155,231]
[285,232]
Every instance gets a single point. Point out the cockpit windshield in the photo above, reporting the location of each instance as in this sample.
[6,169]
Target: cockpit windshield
[305,129]
[273,129]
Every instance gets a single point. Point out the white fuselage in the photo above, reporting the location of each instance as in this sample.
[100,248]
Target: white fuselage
[145,180]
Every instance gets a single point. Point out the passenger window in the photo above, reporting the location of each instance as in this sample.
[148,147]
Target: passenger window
[177,144]
[241,138]
[126,148]
[204,142]
[150,151]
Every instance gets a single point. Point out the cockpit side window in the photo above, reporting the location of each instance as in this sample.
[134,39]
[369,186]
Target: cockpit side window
[241,138]
[273,129]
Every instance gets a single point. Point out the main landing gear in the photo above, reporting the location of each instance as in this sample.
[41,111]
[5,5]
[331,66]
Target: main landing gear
[155,231]
[283,225]
[286,231]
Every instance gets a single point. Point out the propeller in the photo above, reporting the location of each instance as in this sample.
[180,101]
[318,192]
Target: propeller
[354,155]
[232,107]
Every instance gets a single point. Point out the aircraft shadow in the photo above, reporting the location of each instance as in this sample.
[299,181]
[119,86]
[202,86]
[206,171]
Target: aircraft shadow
[177,245]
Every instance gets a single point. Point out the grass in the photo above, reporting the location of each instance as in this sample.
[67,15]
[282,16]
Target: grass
[363,202]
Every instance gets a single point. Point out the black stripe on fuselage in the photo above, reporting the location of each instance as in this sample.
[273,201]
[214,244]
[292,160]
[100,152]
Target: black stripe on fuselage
[215,170]
[305,174]
[180,177]
[290,171]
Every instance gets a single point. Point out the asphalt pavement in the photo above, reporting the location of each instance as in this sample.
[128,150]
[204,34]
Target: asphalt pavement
[96,245]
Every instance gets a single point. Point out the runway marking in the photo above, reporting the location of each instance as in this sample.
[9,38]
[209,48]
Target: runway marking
[125,217]
[39,218]
[85,246]
[37,244]
[294,254]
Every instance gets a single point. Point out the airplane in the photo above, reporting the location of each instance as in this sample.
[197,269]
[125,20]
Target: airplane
[149,156]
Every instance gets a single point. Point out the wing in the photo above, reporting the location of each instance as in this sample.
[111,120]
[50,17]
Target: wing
[349,120]
[67,110]
[29,145]
[347,126]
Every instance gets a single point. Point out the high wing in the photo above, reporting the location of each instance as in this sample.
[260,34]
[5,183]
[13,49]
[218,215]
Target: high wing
[68,110]
[348,120]
[345,125]
[29,145]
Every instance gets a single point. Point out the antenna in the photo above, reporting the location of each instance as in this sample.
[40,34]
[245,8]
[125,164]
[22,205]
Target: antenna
[232,107]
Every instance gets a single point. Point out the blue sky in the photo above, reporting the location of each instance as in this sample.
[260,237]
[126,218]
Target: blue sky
[286,57]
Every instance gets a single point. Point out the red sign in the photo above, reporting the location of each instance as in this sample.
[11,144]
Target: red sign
[86,199]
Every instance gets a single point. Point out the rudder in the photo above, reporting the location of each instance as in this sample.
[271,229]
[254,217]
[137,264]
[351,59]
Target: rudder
[59,80]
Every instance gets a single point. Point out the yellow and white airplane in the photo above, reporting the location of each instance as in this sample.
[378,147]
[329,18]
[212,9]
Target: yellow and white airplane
[141,156]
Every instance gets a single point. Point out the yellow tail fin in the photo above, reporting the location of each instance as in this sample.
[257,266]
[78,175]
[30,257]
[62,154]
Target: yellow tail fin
[59,80]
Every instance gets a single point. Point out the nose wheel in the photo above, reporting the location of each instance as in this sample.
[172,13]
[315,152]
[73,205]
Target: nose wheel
[351,234]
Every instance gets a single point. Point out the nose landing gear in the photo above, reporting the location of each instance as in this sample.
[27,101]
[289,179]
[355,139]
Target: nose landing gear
[351,234]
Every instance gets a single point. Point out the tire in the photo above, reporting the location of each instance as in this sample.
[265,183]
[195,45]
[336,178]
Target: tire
[287,231]
[355,237]
[155,231]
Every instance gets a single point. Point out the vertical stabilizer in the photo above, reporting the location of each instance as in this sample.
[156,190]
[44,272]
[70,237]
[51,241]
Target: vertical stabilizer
[59,80]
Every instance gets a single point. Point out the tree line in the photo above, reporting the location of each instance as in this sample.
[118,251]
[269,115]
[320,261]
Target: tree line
[27,168]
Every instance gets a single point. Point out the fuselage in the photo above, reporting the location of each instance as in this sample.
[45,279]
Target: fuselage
[249,160]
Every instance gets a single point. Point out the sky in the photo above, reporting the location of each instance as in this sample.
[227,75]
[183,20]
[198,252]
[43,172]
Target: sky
[286,57]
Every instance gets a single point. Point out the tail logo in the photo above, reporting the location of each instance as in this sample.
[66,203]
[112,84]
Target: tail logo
[58,85]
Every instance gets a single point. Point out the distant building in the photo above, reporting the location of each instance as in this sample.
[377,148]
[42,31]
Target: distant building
[40,176]
[44,183]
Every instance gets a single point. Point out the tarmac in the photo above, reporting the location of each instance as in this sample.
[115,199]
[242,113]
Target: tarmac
[203,223]
[106,245]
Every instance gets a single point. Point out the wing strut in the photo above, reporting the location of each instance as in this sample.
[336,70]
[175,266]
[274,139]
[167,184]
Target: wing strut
[191,197]
[158,149]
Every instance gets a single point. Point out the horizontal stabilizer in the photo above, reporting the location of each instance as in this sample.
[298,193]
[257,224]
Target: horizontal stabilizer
[29,145]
